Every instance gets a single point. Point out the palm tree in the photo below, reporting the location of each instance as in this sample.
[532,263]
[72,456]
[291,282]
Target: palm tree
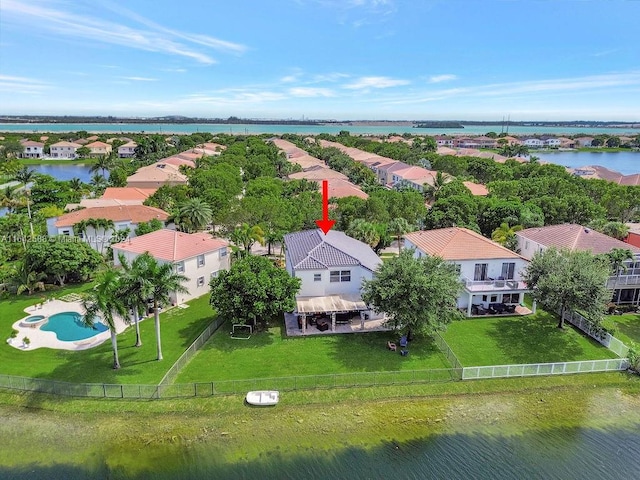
[136,287]
[506,235]
[431,191]
[618,258]
[105,301]
[195,214]
[364,231]
[25,278]
[104,163]
[163,281]
[98,182]
[26,176]
[245,236]
[273,236]
[398,227]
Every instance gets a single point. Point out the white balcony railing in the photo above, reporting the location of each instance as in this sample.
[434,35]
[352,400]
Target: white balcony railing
[623,281]
[493,285]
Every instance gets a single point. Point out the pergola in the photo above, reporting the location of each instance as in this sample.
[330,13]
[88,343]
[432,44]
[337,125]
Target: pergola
[329,305]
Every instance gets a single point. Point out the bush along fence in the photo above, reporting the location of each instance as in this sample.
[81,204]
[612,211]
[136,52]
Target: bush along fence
[596,332]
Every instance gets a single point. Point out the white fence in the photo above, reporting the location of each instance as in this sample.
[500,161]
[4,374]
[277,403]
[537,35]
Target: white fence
[539,369]
[598,333]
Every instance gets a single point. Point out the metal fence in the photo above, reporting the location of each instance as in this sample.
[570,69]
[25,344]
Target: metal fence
[446,350]
[172,373]
[539,369]
[598,333]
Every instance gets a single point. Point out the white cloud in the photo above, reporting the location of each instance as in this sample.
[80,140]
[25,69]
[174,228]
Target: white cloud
[22,85]
[289,78]
[155,39]
[140,79]
[442,78]
[376,82]
[310,92]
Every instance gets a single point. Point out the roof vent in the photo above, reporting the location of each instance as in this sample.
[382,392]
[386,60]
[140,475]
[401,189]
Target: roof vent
[586,230]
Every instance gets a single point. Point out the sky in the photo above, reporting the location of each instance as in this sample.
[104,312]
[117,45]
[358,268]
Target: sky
[322,59]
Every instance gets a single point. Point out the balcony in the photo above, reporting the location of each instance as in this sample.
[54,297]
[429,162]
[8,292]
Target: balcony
[494,285]
[623,281]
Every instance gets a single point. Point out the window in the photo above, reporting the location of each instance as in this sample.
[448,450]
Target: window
[223,252]
[508,269]
[215,274]
[200,261]
[200,281]
[340,276]
[511,298]
[494,298]
[480,272]
[317,277]
[180,267]
[526,245]
[66,232]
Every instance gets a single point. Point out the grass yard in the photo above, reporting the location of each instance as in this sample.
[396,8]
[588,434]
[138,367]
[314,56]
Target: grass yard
[271,354]
[179,328]
[625,328]
[515,340]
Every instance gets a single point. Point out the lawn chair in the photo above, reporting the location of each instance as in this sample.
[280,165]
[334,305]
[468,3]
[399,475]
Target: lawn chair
[391,346]
[403,341]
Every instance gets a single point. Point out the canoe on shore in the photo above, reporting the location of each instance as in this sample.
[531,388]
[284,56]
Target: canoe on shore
[263,397]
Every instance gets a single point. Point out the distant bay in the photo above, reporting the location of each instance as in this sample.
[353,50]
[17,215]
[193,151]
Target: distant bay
[245,129]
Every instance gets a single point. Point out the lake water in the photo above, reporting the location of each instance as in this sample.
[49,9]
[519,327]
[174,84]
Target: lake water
[300,129]
[625,162]
[558,453]
[65,171]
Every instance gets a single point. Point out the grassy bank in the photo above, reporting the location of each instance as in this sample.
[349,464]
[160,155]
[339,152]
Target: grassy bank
[625,328]
[75,161]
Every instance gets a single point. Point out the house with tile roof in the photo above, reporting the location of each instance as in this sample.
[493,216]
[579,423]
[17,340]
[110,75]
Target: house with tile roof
[339,188]
[198,256]
[332,268]
[138,195]
[63,150]
[156,175]
[490,273]
[98,149]
[32,149]
[128,150]
[124,217]
[574,237]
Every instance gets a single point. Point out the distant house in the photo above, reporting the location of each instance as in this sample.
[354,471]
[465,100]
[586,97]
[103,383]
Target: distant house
[339,188]
[198,256]
[128,193]
[490,273]
[127,150]
[444,141]
[625,289]
[123,217]
[584,141]
[64,150]
[98,149]
[533,143]
[32,149]
[551,142]
[156,175]
[332,268]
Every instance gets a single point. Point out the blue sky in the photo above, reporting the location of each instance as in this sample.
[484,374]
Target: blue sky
[323,59]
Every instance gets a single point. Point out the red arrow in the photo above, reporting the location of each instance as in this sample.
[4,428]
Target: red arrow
[325,224]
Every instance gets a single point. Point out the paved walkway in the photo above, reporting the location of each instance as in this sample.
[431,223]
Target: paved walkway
[43,339]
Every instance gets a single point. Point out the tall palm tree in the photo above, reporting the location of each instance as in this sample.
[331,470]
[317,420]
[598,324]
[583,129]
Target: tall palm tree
[163,281]
[26,176]
[104,163]
[618,258]
[105,301]
[398,227]
[136,287]
[245,236]
[506,235]
[98,182]
[195,214]
[431,191]
[364,231]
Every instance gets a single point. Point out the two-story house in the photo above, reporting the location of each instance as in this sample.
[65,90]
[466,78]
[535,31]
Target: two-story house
[127,150]
[98,149]
[64,150]
[32,149]
[491,273]
[625,287]
[332,268]
[98,225]
[198,256]
[533,142]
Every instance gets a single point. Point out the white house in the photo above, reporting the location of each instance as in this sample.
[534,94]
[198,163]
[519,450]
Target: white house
[198,256]
[98,149]
[97,232]
[127,150]
[491,273]
[332,268]
[533,142]
[625,288]
[64,150]
[32,149]
[551,142]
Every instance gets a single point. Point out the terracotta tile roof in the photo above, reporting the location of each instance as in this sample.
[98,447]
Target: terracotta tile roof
[177,161]
[319,174]
[313,250]
[128,193]
[129,144]
[445,151]
[98,145]
[172,246]
[31,143]
[66,144]
[343,188]
[158,172]
[574,237]
[458,243]
[132,213]
[101,202]
[477,189]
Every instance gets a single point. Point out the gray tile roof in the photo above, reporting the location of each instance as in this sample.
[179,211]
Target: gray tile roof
[313,250]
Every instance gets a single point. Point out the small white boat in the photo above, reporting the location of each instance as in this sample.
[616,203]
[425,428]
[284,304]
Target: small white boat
[263,397]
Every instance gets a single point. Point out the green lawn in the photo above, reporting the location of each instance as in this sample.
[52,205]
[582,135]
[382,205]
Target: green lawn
[179,329]
[625,328]
[515,340]
[271,354]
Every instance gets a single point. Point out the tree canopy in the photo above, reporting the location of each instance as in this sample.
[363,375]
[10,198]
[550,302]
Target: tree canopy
[418,294]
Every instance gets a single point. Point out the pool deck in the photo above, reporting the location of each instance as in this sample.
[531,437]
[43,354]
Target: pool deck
[43,339]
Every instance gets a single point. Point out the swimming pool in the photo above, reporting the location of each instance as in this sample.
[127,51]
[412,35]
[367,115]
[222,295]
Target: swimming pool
[68,327]
[33,321]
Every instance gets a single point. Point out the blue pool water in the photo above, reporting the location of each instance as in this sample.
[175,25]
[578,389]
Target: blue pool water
[33,319]
[68,327]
